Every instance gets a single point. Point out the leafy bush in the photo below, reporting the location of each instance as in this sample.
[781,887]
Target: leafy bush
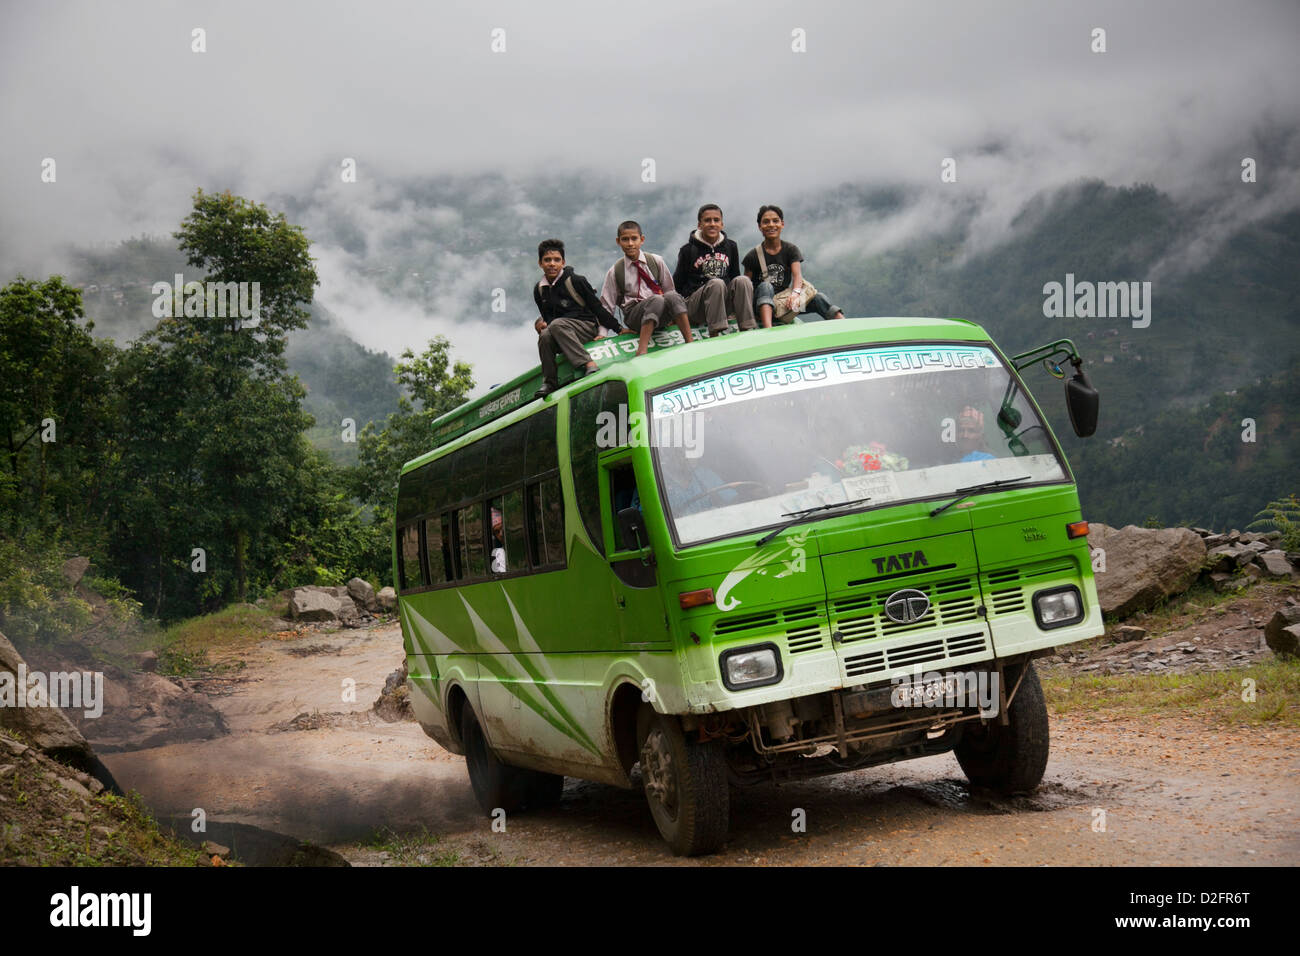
[1282,516]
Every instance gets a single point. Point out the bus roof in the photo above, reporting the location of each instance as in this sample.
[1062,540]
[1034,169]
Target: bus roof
[663,364]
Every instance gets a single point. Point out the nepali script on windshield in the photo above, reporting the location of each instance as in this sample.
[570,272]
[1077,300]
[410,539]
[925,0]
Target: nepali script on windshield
[892,423]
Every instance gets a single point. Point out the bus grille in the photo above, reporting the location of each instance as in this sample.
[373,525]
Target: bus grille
[1008,589]
[908,655]
[803,627]
[862,617]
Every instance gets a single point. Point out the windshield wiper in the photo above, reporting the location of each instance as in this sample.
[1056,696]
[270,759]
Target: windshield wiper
[964,493]
[796,515]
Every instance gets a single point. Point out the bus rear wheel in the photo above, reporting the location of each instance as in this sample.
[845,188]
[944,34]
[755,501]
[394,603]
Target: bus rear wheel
[499,786]
[685,785]
[1009,759]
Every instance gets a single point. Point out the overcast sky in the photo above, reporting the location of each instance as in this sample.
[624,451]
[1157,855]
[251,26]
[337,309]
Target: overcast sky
[711,91]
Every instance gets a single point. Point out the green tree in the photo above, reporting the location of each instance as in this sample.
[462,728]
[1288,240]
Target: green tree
[53,404]
[436,387]
[213,426]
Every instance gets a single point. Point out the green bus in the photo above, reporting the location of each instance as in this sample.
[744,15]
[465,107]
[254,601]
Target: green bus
[760,557]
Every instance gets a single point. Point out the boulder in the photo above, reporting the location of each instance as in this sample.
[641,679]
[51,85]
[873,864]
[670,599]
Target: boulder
[1215,540]
[314,604]
[1227,557]
[1144,565]
[74,569]
[1128,632]
[1259,547]
[363,594]
[1279,632]
[387,599]
[1288,642]
[347,613]
[47,728]
[1275,563]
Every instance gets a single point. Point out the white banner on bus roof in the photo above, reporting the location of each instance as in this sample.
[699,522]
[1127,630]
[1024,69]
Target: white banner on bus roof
[817,371]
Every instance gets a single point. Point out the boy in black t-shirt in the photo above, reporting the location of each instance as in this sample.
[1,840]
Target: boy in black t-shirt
[780,291]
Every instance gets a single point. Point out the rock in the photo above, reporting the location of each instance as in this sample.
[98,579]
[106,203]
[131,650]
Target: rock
[1279,633]
[363,594]
[209,848]
[387,599]
[1215,540]
[1248,537]
[74,569]
[1203,532]
[348,614]
[1234,535]
[1228,556]
[1222,582]
[73,786]
[1259,547]
[1144,565]
[1128,632]
[148,661]
[48,728]
[1275,563]
[394,703]
[310,604]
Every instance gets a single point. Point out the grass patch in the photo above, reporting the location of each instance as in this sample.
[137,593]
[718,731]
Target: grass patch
[1212,696]
[414,849]
[183,648]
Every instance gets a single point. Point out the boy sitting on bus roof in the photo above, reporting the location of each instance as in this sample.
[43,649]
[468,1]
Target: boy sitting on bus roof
[781,291]
[571,314]
[641,285]
[708,275]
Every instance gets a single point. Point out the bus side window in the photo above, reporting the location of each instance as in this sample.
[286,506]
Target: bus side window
[409,556]
[536,533]
[496,537]
[435,551]
[553,520]
[473,560]
[512,529]
[450,551]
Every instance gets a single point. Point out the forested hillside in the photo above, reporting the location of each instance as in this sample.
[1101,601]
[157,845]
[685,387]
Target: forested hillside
[1217,325]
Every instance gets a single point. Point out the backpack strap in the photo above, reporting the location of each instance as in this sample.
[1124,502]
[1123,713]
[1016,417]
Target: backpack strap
[573,293]
[620,272]
[762,262]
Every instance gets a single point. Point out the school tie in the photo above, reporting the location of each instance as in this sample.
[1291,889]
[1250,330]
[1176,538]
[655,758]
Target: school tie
[648,279]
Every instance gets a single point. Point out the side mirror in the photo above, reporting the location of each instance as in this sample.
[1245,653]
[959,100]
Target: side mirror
[1082,400]
[632,525]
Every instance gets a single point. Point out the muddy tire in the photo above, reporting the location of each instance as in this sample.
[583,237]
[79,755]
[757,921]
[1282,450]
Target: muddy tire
[499,786]
[685,785]
[1009,759]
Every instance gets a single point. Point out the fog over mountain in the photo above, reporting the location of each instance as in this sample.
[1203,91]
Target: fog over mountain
[467,157]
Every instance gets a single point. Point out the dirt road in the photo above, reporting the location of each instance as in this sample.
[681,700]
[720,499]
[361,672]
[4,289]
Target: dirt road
[1117,792]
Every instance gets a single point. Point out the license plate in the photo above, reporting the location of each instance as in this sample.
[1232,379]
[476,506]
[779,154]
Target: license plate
[927,693]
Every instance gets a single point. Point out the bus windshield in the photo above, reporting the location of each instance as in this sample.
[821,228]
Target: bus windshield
[737,451]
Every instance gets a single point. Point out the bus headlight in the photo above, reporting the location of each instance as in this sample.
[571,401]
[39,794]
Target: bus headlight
[754,666]
[1058,607]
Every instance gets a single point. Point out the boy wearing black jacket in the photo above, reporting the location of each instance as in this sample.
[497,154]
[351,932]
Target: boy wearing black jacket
[571,314]
[708,276]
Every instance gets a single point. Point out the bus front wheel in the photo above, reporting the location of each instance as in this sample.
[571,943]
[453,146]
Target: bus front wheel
[499,786]
[685,785]
[1009,759]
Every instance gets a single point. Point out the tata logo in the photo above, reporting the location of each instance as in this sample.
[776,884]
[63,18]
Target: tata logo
[901,562]
[907,606]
